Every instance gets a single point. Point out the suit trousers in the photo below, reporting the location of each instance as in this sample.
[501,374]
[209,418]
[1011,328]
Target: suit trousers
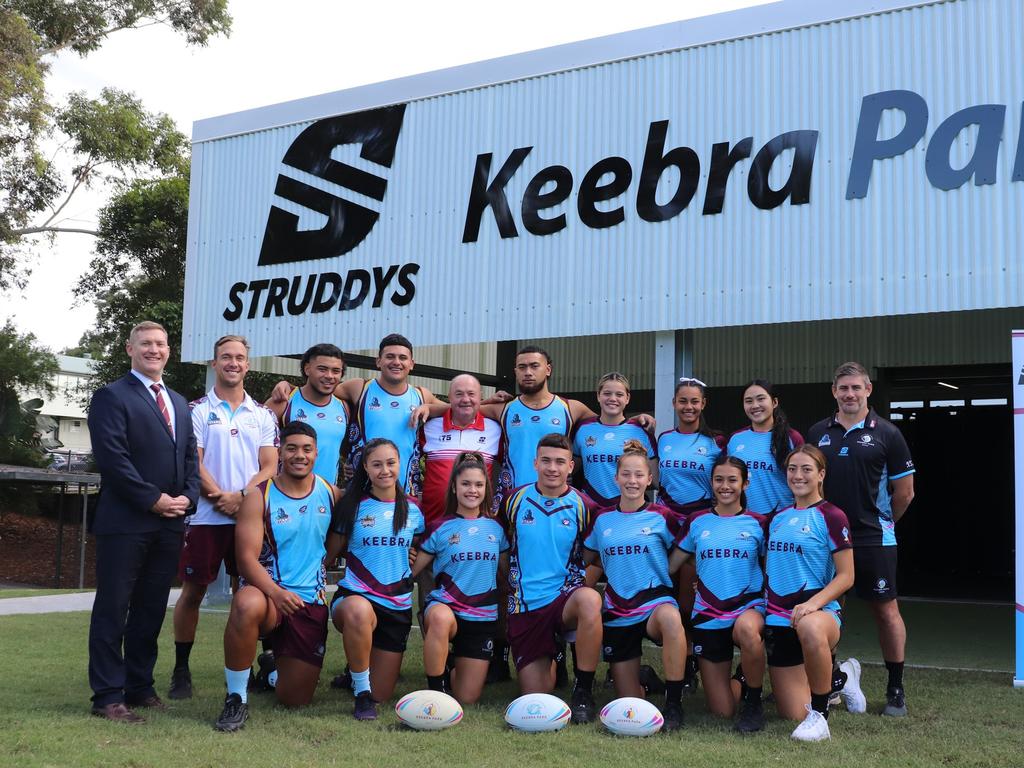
[134,572]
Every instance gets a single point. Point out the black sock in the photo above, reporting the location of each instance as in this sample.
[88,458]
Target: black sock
[819,703]
[691,669]
[752,695]
[572,651]
[560,656]
[435,682]
[895,673]
[584,681]
[674,691]
[266,645]
[181,654]
[839,679]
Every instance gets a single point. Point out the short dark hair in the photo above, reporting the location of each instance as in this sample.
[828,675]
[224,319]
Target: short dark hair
[554,440]
[533,349]
[297,428]
[394,340]
[321,350]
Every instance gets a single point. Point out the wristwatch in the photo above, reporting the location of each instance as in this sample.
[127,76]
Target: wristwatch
[244,492]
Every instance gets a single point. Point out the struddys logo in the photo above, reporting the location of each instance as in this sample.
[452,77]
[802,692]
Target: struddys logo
[346,223]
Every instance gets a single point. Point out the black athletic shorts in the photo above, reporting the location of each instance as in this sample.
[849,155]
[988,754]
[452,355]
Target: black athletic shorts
[392,630]
[474,639]
[782,646]
[714,645]
[875,573]
[625,643]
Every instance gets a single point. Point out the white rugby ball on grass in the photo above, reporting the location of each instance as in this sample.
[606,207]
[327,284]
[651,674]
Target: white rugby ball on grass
[428,710]
[630,716]
[537,712]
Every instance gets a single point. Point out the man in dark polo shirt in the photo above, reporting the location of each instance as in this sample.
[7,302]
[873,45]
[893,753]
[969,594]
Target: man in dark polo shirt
[870,476]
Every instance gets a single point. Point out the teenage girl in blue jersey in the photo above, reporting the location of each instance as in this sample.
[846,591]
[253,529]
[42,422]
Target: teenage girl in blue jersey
[685,456]
[764,446]
[631,542]
[598,441]
[809,566]
[727,542]
[376,526]
[467,547]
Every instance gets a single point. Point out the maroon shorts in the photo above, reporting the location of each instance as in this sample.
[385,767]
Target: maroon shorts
[205,548]
[535,634]
[302,636]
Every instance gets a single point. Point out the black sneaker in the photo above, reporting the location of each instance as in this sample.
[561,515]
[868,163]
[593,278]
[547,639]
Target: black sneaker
[181,684]
[751,719]
[234,714]
[582,706]
[267,664]
[673,714]
[652,684]
[561,671]
[609,681]
[366,707]
[896,703]
[691,680]
[343,681]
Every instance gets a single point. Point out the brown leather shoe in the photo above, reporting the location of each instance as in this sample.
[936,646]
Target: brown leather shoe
[119,713]
[150,702]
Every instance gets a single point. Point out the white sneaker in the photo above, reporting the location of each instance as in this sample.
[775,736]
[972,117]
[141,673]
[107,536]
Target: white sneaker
[851,694]
[813,728]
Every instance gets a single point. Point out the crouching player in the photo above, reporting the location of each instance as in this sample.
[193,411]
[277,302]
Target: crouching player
[280,544]
[546,522]
[631,541]
[466,547]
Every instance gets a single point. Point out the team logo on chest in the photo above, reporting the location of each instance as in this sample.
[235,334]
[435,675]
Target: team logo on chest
[375,404]
[213,419]
[454,539]
[702,451]
[516,421]
[300,415]
[864,440]
[281,516]
[368,522]
[825,441]
[591,441]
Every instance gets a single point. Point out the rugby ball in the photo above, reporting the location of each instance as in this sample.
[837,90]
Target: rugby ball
[630,716]
[428,710]
[537,712]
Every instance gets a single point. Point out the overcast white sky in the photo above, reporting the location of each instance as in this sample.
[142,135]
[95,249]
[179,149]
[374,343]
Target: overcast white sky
[279,51]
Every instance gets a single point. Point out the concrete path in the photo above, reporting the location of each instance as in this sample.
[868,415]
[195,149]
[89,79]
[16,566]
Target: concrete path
[77,601]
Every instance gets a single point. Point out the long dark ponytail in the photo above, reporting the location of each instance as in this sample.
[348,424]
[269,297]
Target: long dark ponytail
[780,424]
[360,485]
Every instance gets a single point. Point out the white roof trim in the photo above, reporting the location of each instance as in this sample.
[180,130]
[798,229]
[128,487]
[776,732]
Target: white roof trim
[733,25]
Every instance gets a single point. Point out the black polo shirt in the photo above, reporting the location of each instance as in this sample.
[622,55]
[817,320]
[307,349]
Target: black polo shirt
[861,463]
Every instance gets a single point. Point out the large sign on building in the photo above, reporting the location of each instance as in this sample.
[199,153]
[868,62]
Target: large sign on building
[838,169]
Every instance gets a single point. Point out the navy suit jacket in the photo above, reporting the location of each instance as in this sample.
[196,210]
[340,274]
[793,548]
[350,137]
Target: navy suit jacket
[137,457]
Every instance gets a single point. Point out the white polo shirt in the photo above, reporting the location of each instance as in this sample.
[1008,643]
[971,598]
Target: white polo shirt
[231,445]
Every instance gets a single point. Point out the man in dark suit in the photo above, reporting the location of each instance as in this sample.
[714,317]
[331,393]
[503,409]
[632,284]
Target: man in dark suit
[145,449]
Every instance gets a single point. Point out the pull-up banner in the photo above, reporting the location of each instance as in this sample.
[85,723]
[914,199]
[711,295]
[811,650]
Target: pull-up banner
[1018,472]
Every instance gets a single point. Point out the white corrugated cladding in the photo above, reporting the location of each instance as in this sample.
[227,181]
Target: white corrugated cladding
[907,247]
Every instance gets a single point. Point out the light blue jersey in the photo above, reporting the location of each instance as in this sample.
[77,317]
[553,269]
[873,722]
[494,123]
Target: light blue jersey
[684,470]
[522,428]
[545,545]
[599,447]
[768,491]
[634,548]
[381,414]
[466,565]
[330,422]
[727,552]
[294,538]
[377,559]
[799,561]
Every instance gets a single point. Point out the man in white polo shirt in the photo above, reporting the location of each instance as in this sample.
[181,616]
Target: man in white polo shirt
[236,439]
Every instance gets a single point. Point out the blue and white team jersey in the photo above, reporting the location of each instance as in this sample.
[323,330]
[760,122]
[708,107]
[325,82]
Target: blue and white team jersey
[522,428]
[294,538]
[634,549]
[684,469]
[466,565]
[381,414]
[330,422]
[599,447]
[545,545]
[727,551]
[768,491]
[799,561]
[377,559]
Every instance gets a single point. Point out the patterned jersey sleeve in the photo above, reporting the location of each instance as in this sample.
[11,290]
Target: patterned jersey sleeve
[795,439]
[897,456]
[503,545]
[268,428]
[838,527]
[429,543]
[685,540]
[198,423]
[763,521]
[590,535]
[648,439]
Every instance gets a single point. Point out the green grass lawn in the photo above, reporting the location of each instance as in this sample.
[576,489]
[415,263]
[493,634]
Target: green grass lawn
[32,592]
[957,719]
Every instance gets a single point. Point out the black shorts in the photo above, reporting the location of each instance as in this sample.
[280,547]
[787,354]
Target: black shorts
[782,645]
[713,645]
[474,639]
[392,630]
[625,643]
[875,573]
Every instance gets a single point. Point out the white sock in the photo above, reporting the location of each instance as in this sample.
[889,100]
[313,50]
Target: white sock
[272,679]
[360,681]
[238,682]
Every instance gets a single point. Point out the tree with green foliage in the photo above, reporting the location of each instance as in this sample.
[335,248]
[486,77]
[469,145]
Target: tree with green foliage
[104,138]
[26,369]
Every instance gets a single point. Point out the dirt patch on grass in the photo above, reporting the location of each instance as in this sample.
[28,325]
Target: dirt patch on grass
[28,551]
